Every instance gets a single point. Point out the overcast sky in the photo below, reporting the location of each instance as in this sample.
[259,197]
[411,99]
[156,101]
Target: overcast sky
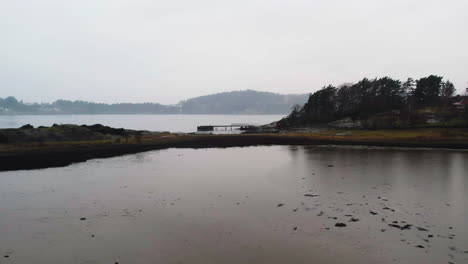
[166,51]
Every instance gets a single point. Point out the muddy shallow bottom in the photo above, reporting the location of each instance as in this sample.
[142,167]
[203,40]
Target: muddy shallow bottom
[280,204]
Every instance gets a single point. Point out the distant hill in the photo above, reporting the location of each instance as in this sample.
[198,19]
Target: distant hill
[243,102]
[237,102]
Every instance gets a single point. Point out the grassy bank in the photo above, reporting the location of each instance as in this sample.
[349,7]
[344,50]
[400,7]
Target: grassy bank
[33,155]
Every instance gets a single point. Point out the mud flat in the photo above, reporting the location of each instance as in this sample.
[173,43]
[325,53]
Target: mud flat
[262,204]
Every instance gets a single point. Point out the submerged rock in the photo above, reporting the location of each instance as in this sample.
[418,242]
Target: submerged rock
[340,224]
[405,227]
[388,208]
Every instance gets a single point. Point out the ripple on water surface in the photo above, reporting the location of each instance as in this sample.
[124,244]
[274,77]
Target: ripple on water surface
[279,204]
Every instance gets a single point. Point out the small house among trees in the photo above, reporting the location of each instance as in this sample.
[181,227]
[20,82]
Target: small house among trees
[463,104]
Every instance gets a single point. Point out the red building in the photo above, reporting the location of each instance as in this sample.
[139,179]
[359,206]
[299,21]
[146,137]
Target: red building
[463,104]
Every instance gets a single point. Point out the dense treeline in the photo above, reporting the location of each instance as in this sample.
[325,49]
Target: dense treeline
[369,97]
[11,105]
[238,102]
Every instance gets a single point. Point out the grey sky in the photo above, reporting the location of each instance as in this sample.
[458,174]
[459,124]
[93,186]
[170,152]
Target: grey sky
[165,51]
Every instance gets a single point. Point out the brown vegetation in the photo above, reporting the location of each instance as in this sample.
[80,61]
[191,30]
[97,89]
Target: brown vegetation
[31,155]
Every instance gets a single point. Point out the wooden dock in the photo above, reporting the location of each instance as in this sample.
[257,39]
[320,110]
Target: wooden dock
[240,126]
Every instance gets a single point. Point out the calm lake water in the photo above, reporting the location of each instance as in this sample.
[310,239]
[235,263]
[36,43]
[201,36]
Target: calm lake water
[241,205]
[172,123]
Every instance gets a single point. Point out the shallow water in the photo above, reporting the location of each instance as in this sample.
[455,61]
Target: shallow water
[241,205]
[171,123]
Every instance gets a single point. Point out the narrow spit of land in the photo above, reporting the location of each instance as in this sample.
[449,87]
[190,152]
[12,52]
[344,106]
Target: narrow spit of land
[34,155]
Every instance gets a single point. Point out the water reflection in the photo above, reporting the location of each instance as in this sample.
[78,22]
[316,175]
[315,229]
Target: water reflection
[241,205]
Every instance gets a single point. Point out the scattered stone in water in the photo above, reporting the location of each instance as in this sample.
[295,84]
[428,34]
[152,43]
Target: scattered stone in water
[422,229]
[340,224]
[430,236]
[331,165]
[320,214]
[279,205]
[372,212]
[450,227]
[92,235]
[388,208]
[420,246]
[83,218]
[405,227]
[311,195]
[295,228]
[295,210]
[395,222]
[6,256]
[383,230]
[354,219]
[332,217]
[348,215]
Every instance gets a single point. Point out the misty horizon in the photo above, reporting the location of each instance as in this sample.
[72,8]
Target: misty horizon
[154,51]
[149,102]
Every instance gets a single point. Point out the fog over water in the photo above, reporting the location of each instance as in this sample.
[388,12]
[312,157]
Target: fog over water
[171,123]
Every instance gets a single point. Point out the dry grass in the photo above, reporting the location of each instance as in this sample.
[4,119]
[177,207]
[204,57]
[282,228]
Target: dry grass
[427,135]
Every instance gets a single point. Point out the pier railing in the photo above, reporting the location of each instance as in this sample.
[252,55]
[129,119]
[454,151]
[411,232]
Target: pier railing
[240,126]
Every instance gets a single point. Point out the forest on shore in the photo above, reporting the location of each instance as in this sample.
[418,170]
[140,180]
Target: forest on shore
[382,103]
